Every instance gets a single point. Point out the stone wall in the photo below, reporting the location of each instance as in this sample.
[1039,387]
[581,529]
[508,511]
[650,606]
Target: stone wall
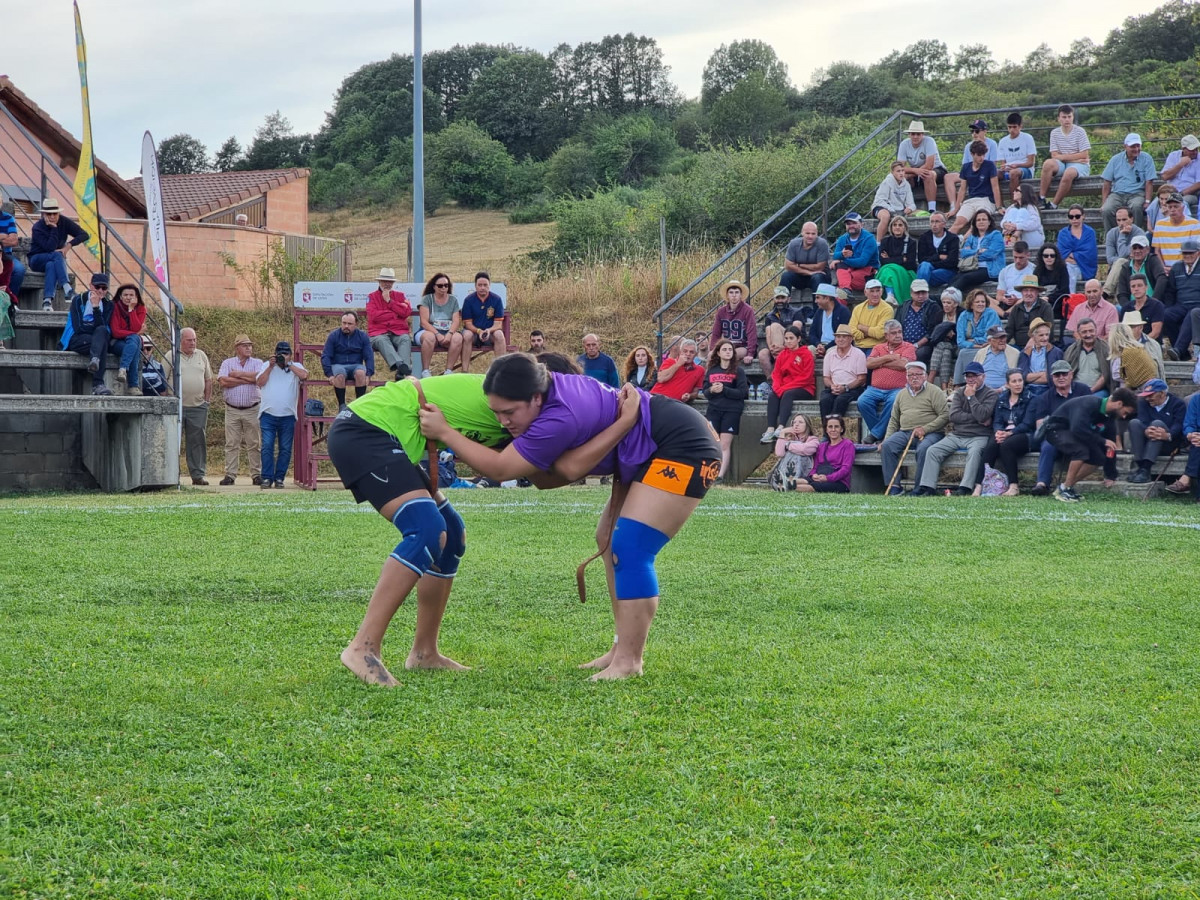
[43,452]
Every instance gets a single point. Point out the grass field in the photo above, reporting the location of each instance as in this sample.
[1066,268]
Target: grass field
[844,698]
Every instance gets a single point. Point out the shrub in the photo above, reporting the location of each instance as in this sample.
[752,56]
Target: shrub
[474,168]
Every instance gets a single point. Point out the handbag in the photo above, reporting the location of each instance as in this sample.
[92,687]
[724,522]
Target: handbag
[314,407]
[787,470]
[968,263]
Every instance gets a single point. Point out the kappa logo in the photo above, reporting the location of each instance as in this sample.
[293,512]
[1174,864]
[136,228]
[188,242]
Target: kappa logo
[669,475]
[668,472]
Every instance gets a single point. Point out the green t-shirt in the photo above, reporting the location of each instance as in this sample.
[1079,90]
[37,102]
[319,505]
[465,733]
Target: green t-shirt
[393,408]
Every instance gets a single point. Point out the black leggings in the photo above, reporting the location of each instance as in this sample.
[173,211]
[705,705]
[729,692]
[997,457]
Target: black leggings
[779,409]
[1007,454]
[971,278]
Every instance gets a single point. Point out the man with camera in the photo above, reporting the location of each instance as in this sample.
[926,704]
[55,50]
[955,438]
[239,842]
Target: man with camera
[279,383]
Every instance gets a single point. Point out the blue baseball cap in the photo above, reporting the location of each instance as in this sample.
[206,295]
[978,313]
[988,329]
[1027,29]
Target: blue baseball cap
[852,217]
[1153,386]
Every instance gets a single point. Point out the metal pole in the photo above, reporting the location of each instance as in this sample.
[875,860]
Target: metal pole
[418,265]
[662,255]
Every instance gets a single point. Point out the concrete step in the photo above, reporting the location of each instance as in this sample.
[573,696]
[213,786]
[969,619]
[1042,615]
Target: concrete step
[31,292]
[87,403]
[1053,220]
[48,359]
[1092,186]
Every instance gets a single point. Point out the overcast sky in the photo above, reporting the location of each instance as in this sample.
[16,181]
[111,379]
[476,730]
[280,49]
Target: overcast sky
[217,68]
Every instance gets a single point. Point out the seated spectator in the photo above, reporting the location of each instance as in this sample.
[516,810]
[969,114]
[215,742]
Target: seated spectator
[944,339]
[806,261]
[1128,181]
[347,354]
[978,133]
[919,317]
[1008,284]
[1118,248]
[154,380]
[1070,157]
[1158,206]
[997,357]
[1077,244]
[832,463]
[1137,326]
[898,255]
[978,189]
[1181,298]
[599,365]
[783,315]
[843,372]
[12,270]
[971,409]
[1063,387]
[1017,154]
[279,383]
[725,388]
[735,322]
[537,342]
[1010,437]
[855,255]
[87,332]
[795,448]
[1190,479]
[125,337]
[640,370]
[49,236]
[886,363]
[920,412]
[388,328]
[1088,358]
[981,256]
[679,377]
[1083,430]
[1038,358]
[6,305]
[972,329]
[794,378]
[830,315]
[483,321]
[1022,221]
[922,165]
[702,345]
[1156,429]
[1172,229]
[441,324]
[1132,366]
[1032,305]
[1096,308]
[868,318]
[937,252]
[1141,262]
[893,197]
[1139,303]
[1052,275]
[1182,167]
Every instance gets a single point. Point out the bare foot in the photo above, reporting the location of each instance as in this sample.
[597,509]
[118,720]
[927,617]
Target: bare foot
[366,664]
[436,661]
[618,670]
[600,662]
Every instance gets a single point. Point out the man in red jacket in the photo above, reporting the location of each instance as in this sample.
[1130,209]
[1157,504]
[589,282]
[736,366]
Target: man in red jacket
[680,378]
[388,328]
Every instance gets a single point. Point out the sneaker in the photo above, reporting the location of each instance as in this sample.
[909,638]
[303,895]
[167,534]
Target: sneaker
[227,481]
[922,214]
[1066,495]
[266,485]
[767,436]
[402,371]
[923,491]
[343,408]
[133,391]
[94,365]
[101,390]
[896,491]
[778,432]
[278,485]
[1141,476]
[1046,204]
[257,479]
[448,372]
[425,373]
[961,491]
[123,377]
[47,304]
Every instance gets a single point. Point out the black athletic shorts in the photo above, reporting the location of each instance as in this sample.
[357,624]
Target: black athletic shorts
[371,462]
[1088,448]
[688,456]
[724,422]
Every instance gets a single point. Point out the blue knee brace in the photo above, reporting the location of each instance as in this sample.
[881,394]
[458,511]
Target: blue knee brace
[422,526]
[456,542]
[634,547]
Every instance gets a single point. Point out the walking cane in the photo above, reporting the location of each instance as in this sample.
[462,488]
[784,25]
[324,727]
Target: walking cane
[896,474]
[1170,459]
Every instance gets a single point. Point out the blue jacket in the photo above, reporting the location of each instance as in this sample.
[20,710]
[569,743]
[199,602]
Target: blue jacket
[991,251]
[1053,355]
[1005,412]
[840,316]
[978,333]
[866,252]
[1087,254]
[347,350]
[602,368]
[76,324]
[1171,415]
[45,239]
[1048,404]
[1191,420]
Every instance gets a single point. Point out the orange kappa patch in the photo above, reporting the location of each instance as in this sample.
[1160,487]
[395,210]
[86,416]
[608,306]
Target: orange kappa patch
[669,476]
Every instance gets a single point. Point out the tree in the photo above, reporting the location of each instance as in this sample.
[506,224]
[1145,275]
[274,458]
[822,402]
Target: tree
[1169,34]
[750,112]
[229,157]
[1041,58]
[474,168]
[631,149]
[926,60]
[973,61]
[182,154]
[844,89]
[571,170]
[514,100]
[730,64]
[617,75]
[275,146]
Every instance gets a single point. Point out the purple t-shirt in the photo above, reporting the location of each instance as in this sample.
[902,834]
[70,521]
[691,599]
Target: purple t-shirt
[578,408]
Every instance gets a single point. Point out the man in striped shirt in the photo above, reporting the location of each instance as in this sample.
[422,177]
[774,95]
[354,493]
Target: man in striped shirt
[1171,232]
[1070,157]
[239,379]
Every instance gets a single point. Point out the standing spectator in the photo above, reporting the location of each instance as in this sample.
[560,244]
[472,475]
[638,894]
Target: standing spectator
[1017,154]
[1022,222]
[49,236]
[1156,429]
[1070,155]
[937,252]
[868,319]
[806,261]
[597,364]
[1032,305]
[1172,230]
[640,369]
[944,339]
[1182,168]
[1096,308]
[347,354]
[238,377]
[922,166]
[483,321]
[9,238]
[981,256]
[1038,358]
[128,320]
[1146,264]
[1008,290]
[154,380]
[898,256]
[1010,433]
[87,332]
[1083,430]
[1118,247]
[441,324]
[388,327]
[735,322]
[977,188]
[195,388]
[921,413]
[893,197]
[886,363]
[1077,244]
[726,389]
[855,255]
[833,462]
[783,315]
[679,377]
[971,409]
[1186,482]
[794,378]
[991,154]
[919,317]
[844,374]
[828,317]
[1128,181]
[279,383]
[1088,358]
[997,357]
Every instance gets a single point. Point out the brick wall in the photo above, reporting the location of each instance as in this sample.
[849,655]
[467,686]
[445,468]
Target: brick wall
[287,207]
[42,452]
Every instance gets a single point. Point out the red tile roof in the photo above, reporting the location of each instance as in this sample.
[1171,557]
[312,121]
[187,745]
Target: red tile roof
[187,197]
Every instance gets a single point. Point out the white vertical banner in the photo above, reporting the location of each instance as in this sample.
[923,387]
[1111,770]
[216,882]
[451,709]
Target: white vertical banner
[156,218]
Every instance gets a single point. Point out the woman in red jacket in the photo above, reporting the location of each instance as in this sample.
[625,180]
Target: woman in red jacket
[128,320]
[794,378]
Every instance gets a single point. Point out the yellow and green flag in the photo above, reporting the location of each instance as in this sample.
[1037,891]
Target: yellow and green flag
[86,207]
